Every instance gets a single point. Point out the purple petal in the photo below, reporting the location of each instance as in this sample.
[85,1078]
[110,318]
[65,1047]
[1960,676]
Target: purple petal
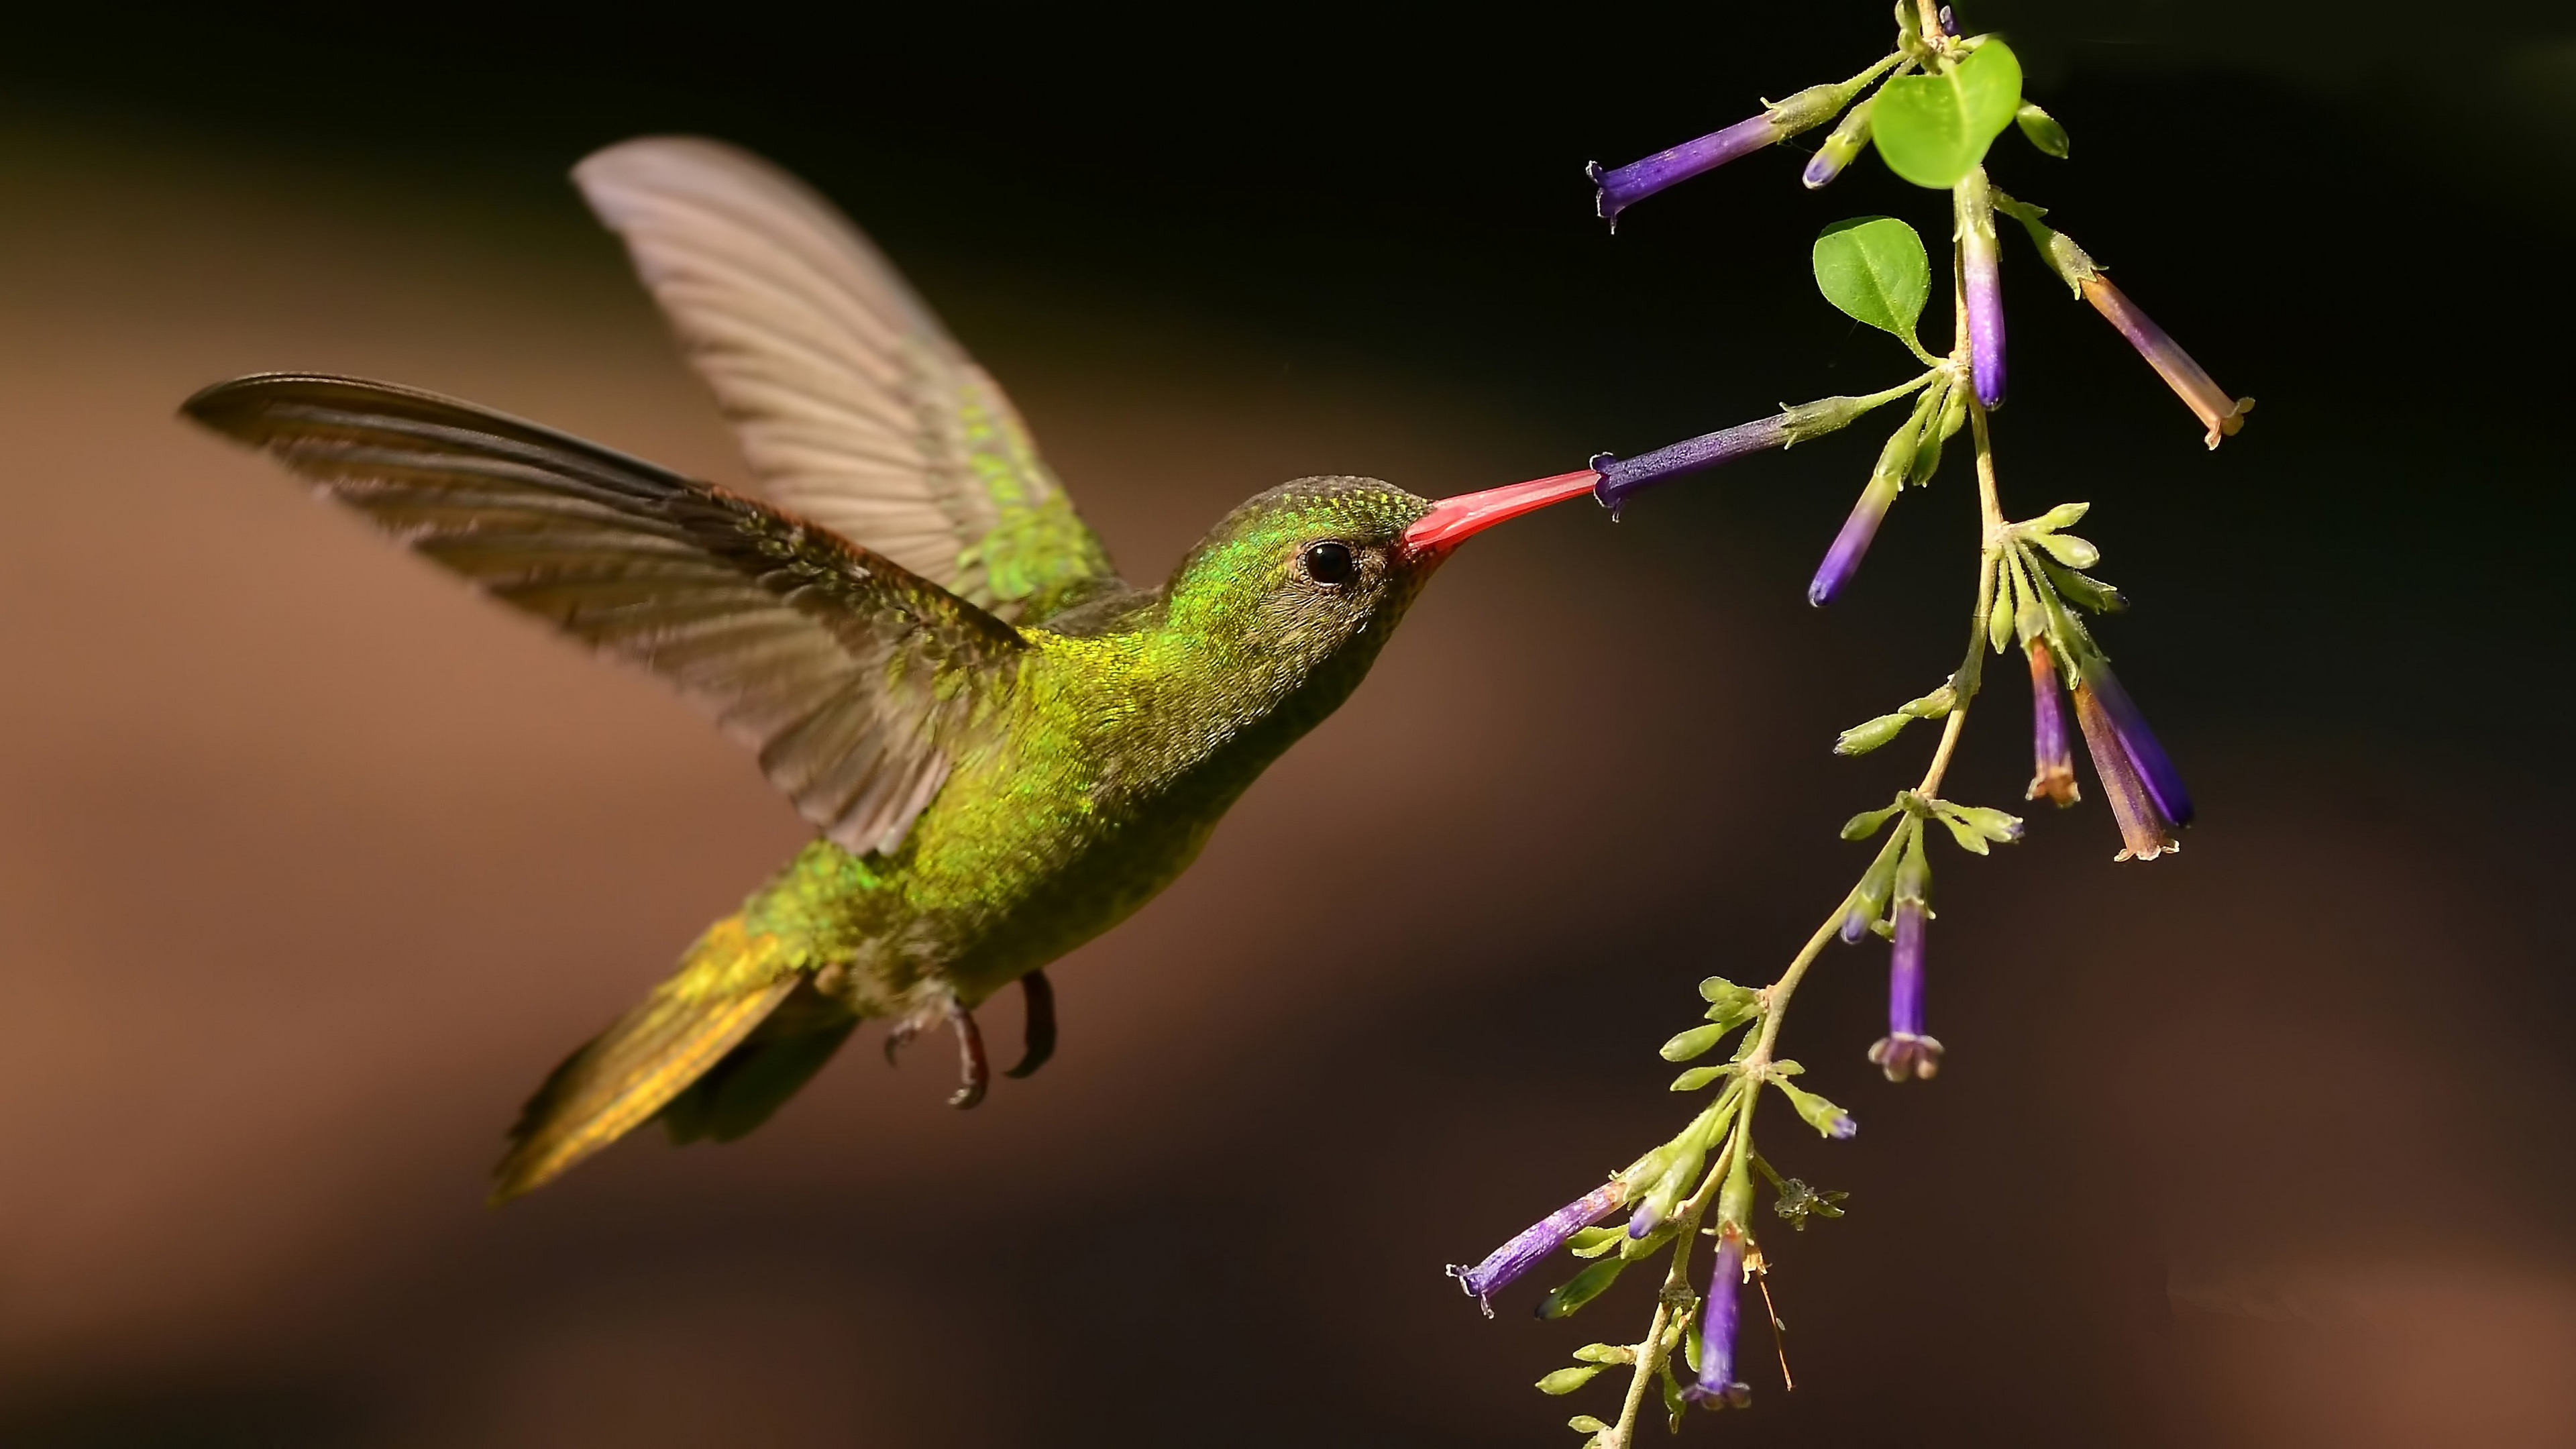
[2221,414]
[1843,559]
[1624,186]
[1985,312]
[1717,1328]
[1905,972]
[1536,1242]
[2052,758]
[2157,771]
[1623,476]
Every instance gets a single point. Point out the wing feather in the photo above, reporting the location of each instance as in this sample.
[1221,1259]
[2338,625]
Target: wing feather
[855,408]
[826,658]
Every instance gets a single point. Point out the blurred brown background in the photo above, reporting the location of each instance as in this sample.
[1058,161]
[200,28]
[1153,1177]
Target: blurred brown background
[311,865]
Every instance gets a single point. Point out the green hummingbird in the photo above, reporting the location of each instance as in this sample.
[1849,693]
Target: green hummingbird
[1007,750]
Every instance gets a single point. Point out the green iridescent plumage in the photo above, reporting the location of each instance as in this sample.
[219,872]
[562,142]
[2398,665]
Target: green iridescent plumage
[1006,749]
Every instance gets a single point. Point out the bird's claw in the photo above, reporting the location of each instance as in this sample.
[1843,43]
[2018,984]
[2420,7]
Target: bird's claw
[974,1072]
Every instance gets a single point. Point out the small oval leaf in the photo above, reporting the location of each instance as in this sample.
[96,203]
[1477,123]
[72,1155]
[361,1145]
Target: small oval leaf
[1934,129]
[1875,269]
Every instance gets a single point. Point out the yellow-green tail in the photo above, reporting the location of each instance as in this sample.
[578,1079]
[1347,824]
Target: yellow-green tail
[729,983]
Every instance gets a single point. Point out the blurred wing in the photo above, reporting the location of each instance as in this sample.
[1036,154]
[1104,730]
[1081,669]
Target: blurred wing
[854,406]
[837,666]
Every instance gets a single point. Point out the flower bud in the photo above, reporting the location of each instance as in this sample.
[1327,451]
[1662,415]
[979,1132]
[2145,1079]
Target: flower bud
[1983,283]
[1841,145]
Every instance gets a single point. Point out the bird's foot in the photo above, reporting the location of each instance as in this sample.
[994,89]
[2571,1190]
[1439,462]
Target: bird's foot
[1039,1039]
[974,1073]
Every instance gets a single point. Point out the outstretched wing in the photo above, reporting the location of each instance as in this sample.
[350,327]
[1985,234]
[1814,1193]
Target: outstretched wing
[840,668]
[854,406]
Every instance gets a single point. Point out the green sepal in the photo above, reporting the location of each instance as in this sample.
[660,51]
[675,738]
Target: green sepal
[2030,612]
[1729,1003]
[1913,868]
[2069,550]
[1988,824]
[1699,1041]
[1698,1077]
[1580,1289]
[1866,824]
[1787,1068]
[1860,739]
[1567,1380]
[1999,614]
[1593,1242]
[1820,1114]
[2082,590]
[1934,705]
[1933,129]
[2064,515]
[2056,248]
[1585,1424]
[1728,1015]
[1606,1353]
[2042,130]
[1880,878]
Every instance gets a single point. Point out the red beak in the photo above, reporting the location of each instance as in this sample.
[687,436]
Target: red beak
[1453,520]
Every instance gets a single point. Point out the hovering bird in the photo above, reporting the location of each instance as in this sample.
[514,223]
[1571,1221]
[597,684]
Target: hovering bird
[1007,749]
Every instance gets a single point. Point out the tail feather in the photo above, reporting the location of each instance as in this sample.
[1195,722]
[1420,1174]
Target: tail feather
[756,1078]
[730,982]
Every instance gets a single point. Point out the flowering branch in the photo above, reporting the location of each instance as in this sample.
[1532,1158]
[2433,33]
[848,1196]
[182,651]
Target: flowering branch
[1941,100]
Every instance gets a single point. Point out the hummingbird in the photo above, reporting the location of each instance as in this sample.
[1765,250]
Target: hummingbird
[1005,748]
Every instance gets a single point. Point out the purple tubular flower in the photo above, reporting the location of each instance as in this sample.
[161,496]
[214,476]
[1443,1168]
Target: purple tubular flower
[1624,186]
[2146,794]
[2221,414]
[1843,559]
[2052,761]
[1536,1242]
[1717,1384]
[1984,286]
[1623,476]
[1905,1051]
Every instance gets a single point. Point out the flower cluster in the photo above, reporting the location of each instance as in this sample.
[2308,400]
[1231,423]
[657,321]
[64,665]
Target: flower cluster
[1931,109]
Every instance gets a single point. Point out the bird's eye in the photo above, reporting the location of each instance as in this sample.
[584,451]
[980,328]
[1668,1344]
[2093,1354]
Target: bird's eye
[1330,563]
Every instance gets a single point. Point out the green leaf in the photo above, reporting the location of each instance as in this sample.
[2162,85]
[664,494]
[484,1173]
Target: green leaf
[2069,550]
[1567,1380]
[2042,130]
[1698,1077]
[1934,129]
[1582,1288]
[1875,268]
[1860,739]
[1606,1353]
[1585,1424]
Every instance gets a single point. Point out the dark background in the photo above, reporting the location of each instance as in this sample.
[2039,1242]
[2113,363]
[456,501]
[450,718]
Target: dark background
[310,866]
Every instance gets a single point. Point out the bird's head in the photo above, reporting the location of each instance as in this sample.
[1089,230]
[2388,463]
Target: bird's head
[1298,575]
